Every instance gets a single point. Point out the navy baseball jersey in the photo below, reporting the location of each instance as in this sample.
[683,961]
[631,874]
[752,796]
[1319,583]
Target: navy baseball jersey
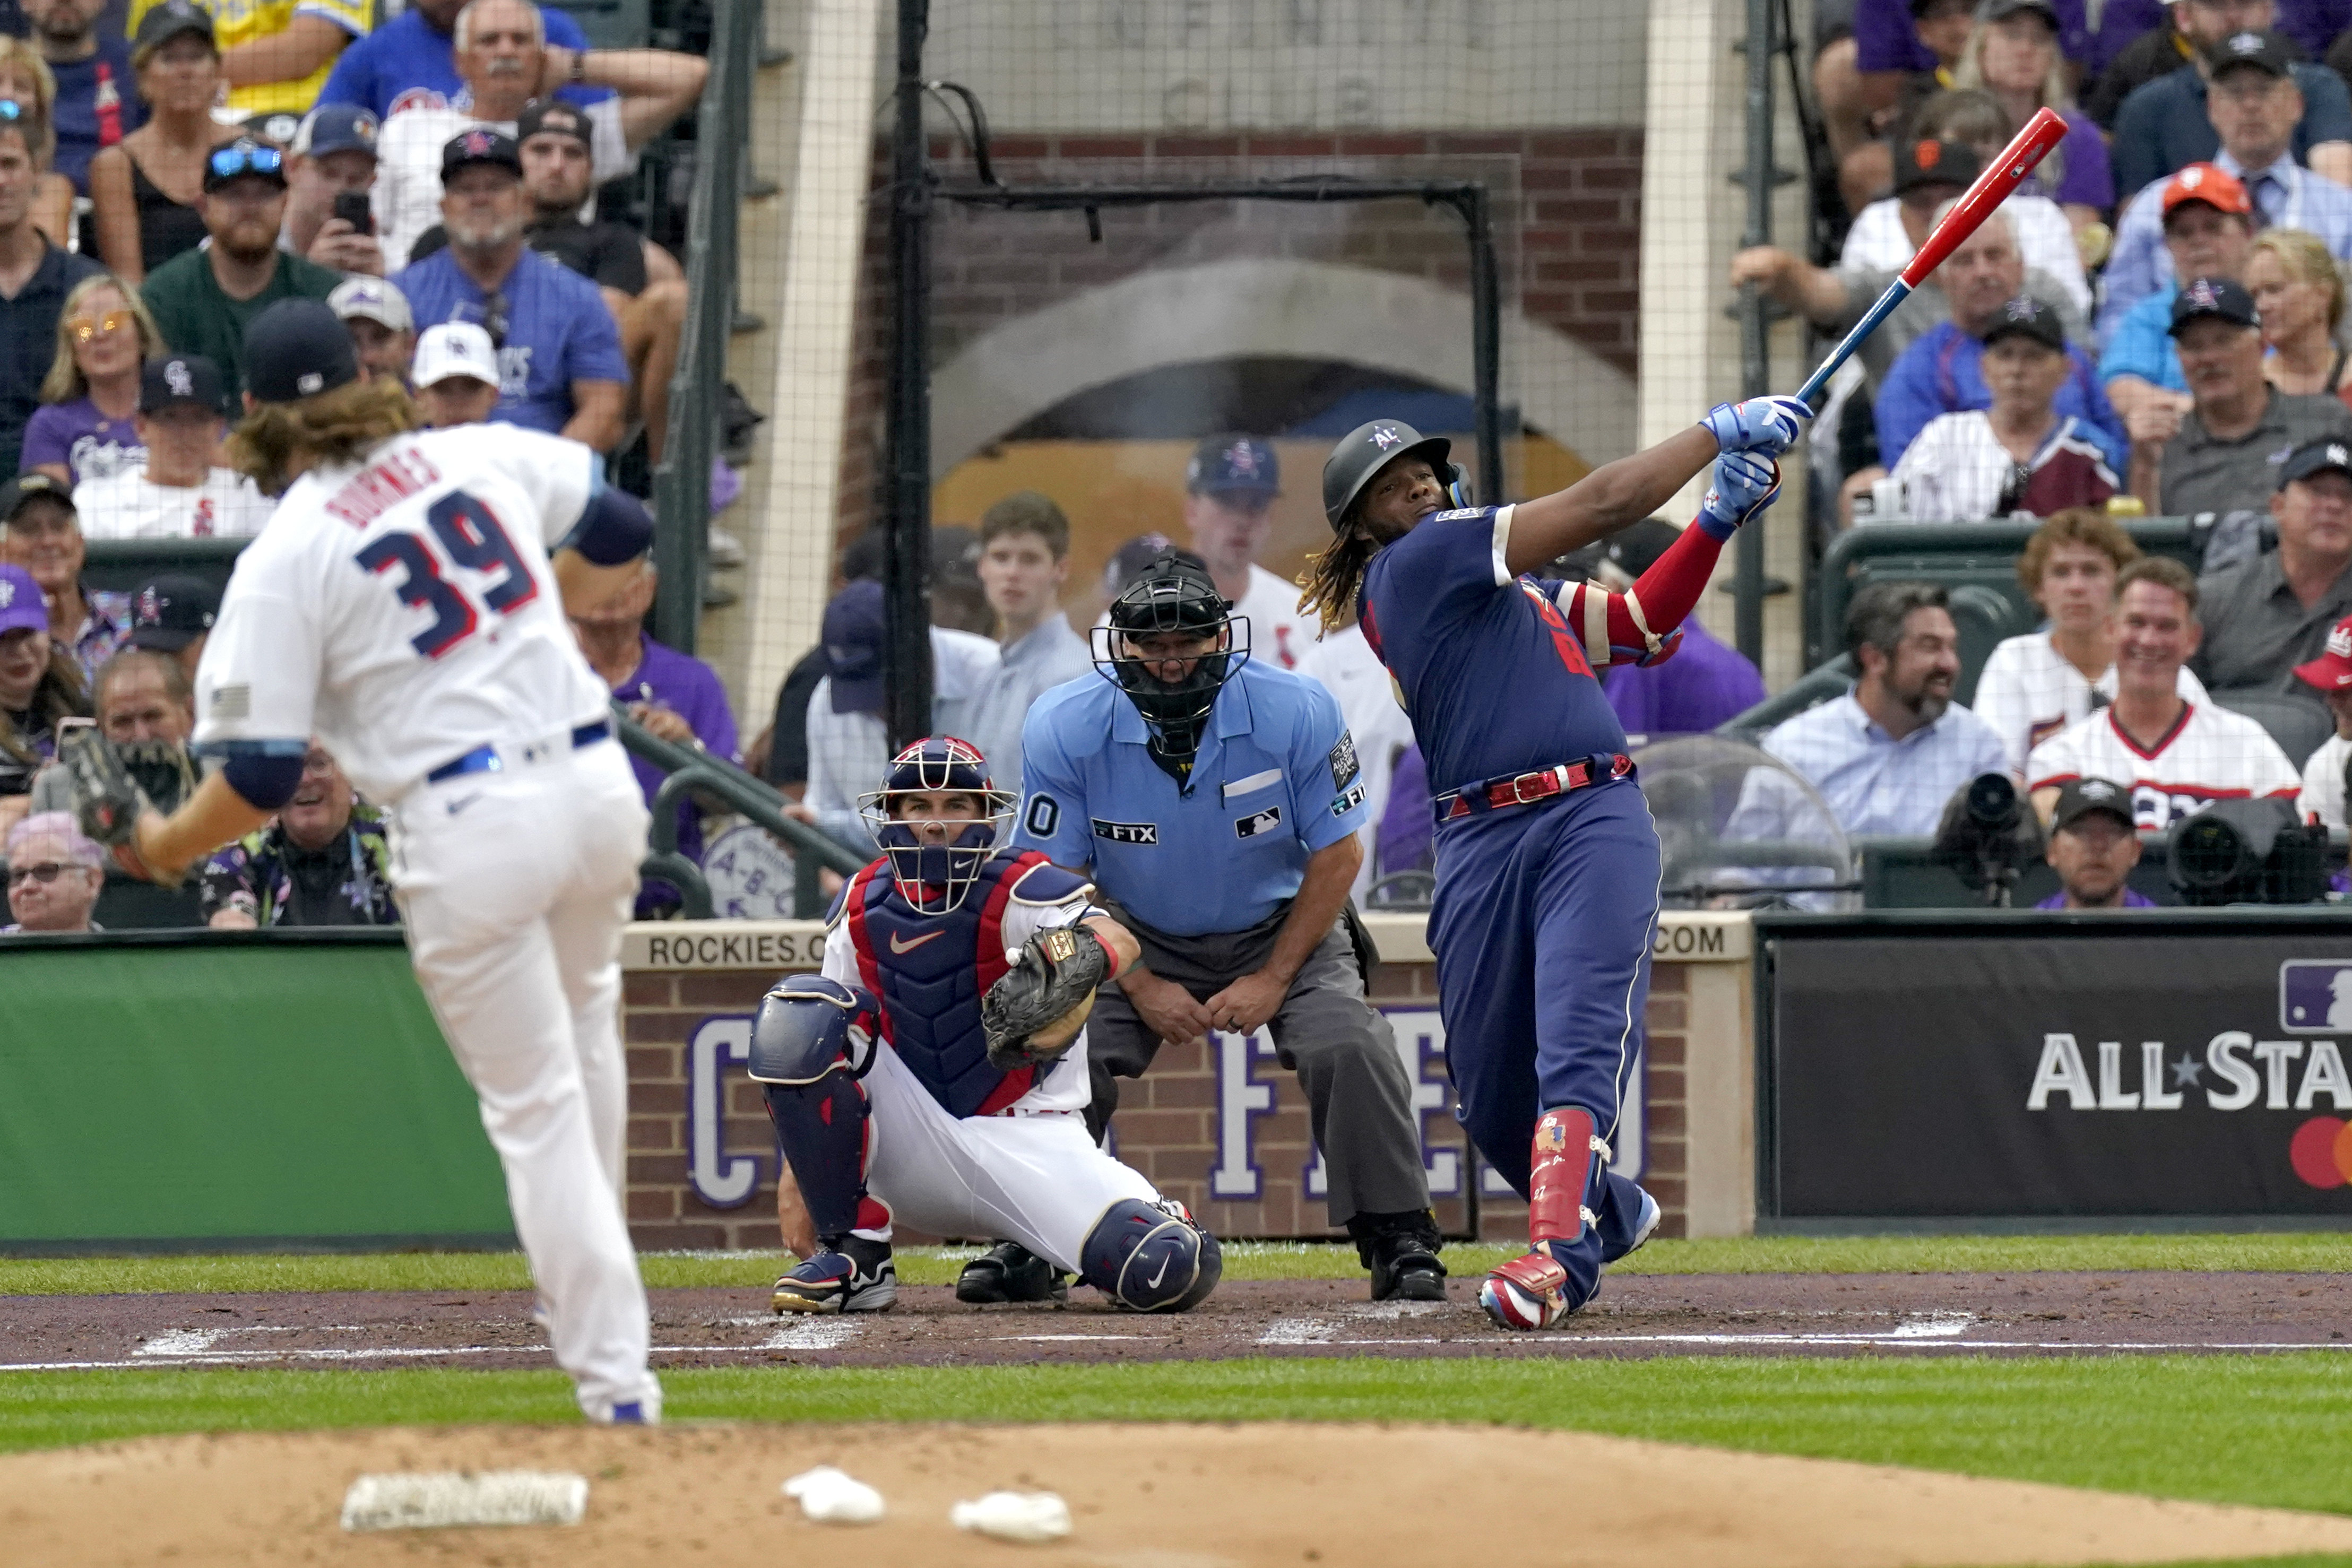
[1495,679]
[1275,779]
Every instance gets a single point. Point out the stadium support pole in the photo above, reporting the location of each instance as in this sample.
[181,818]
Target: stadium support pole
[1486,344]
[907,563]
[1755,364]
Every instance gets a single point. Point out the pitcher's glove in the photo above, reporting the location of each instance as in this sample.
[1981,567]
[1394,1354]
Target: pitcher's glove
[107,799]
[1034,1013]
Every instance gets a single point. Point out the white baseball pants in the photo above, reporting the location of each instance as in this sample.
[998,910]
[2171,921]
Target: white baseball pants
[515,885]
[1037,1180]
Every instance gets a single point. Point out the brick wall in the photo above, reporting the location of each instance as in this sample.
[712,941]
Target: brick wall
[1567,217]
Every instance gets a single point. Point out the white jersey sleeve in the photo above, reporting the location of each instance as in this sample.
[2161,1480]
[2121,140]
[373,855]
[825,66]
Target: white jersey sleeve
[559,474]
[2323,784]
[257,680]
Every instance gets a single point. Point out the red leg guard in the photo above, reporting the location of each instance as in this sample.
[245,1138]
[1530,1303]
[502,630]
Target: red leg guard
[1560,1170]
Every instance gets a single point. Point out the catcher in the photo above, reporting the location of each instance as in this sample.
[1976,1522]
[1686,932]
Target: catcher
[935,1070]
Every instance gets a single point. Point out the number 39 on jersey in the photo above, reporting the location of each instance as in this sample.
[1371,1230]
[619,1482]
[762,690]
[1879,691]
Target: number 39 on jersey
[475,575]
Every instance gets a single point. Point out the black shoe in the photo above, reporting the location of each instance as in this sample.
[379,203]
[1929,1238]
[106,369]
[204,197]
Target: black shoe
[1402,1253]
[1009,1271]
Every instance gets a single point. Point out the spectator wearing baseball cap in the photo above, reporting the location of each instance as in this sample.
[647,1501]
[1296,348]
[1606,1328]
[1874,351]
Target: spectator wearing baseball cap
[40,532]
[179,493]
[204,299]
[2224,455]
[1711,683]
[2092,847]
[456,375]
[2020,455]
[54,876]
[2330,675]
[173,614]
[332,154]
[146,190]
[1899,53]
[1229,486]
[2174,121]
[41,684]
[2207,224]
[383,328]
[559,349]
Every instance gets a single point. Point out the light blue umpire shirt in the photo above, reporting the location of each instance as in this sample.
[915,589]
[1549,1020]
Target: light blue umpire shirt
[1275,781]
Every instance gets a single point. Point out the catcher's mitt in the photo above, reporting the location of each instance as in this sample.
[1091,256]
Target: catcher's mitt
[107,799]
[1032,1014]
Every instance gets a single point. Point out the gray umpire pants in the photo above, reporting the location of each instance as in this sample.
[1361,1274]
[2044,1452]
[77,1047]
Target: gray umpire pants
[1358,1100]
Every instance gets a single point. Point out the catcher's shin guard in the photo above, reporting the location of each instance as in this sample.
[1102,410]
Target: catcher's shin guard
[822,1126]
[1535,1291]
[1150,1257]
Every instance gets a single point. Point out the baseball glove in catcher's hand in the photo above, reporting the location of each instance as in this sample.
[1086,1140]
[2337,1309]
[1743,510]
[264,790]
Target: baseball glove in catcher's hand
[107,799]
[1034,1013]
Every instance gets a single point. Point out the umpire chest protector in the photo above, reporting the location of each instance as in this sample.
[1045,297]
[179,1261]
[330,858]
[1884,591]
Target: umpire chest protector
[930,971]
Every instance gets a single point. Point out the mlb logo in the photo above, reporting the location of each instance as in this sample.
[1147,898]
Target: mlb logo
[2315,996]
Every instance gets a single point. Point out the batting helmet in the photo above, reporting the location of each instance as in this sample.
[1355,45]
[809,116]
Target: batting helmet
[1174,593]
[1368,448]
[934,878]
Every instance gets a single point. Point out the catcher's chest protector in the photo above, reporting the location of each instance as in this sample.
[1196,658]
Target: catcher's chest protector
[931,971]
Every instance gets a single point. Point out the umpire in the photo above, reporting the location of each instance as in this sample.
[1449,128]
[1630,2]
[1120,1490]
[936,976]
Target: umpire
[1214,799]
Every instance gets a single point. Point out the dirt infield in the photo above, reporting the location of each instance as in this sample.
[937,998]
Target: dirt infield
[1638,1316]
[1156,1497]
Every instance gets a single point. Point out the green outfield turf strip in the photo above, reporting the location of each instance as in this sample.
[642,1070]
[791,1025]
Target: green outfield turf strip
[2312,1252]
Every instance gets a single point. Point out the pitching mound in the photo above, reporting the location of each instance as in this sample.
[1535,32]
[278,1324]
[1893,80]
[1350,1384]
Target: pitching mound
[1140,1496]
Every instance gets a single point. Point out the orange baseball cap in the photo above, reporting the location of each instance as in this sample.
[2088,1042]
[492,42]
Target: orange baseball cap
[2212,184]
[2332,671]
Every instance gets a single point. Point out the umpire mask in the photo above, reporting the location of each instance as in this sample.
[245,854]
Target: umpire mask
[936,878]
[1175,594]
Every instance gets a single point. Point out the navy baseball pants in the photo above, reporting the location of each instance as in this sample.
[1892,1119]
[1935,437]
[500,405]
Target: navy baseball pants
[1542,927]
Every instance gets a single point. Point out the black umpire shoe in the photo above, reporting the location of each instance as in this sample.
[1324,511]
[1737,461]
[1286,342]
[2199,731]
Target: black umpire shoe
[1400,1250]
[1009,1271]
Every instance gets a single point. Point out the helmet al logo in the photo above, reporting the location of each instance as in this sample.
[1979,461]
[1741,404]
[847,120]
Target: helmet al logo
[1385,436]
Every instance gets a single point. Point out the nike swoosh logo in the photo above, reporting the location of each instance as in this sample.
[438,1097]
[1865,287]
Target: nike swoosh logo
[458,805]
[1153,1282]
[899,946]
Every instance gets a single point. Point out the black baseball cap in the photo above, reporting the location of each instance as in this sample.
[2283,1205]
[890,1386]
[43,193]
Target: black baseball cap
[856,626]
[1930,161]
[555,117]
[2026,316]
[2081,797]
[1637,550]
[2316,457]
[168,21]
[2002,10]
[181,377]
[25,487]
[243,159]
[172,612]
[2269,53]
[2223,297]
[480,145]
[1233,465]
[298,348]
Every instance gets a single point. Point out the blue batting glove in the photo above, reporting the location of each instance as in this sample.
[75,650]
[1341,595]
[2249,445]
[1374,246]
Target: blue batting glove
[1744,485]
[1767,424]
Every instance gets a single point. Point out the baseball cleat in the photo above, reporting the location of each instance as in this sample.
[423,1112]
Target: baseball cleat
[1009,1271]
[1405,1270]
[858,1277]
[1527,1292]
[1643,1227]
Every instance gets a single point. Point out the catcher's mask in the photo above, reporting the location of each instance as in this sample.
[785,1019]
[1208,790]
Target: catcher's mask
[1173,594]
[935,878]
[1364,450]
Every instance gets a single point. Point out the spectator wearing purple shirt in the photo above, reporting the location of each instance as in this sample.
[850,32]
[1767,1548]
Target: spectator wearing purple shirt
[676,696]
[1702,685]
[2092,848]
[85,427]
[1406,838]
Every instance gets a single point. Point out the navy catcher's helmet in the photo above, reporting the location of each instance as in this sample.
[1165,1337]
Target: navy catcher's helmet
[1174,593]
[934,878]
[1368,448]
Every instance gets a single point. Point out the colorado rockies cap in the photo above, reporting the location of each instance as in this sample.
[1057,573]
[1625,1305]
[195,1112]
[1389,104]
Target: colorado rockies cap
[298,348]
[2266,52]
[2082,797]
[2223,297]
[2332,671]
[2316,457]
[2026,316]
[172,612]
[455,349]
[25,487]
[1930,161]
[176,379]
[1233,465]
[480,145]
[21,608]
[372,300]
[554,117]
[855,628]
[334,128]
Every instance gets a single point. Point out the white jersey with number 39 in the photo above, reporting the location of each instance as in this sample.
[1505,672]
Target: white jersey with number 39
[404,609]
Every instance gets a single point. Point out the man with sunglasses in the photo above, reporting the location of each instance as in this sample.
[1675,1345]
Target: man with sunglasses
[203,300]
[54,876]
[35,279]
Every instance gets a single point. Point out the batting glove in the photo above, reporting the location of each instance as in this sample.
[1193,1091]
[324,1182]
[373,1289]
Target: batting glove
[1767,424]
[1744,485]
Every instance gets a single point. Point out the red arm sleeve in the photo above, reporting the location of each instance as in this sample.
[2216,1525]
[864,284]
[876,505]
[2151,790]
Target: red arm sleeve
[1665,595]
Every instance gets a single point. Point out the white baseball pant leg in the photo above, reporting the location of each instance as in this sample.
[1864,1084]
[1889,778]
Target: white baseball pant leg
[1037,1180]
[515,886]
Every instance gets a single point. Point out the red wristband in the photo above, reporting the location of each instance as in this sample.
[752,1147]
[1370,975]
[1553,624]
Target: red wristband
[1108,951]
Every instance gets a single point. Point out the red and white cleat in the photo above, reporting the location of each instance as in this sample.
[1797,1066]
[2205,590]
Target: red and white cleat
[1527,1293]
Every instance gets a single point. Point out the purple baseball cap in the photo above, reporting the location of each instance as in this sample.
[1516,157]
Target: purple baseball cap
[21,606]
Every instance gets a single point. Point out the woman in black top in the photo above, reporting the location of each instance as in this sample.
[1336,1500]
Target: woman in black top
[145,188]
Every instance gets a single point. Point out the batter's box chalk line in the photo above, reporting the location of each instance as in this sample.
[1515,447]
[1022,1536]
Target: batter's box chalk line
[1298,1331]
[813,1333]
[437,1499]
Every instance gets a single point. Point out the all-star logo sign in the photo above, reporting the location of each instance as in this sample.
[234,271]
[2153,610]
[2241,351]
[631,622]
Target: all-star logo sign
[478,142]
[176,377]
[2202,295]
[1385,436]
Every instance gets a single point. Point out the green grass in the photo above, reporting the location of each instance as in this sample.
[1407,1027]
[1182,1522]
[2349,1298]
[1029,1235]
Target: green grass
[2314,1253]
[2268,1430]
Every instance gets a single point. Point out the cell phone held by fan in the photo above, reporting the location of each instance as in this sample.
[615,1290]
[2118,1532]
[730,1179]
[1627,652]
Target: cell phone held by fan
[352,206]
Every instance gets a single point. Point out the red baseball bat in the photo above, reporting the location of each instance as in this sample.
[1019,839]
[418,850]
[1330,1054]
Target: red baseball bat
[1992,187]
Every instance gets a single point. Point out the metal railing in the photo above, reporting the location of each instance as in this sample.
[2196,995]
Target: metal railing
[682,482]
[692,770]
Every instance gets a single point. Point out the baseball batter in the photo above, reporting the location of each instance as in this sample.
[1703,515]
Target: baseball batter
[905,1084]
[402,606]
[1547,860]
